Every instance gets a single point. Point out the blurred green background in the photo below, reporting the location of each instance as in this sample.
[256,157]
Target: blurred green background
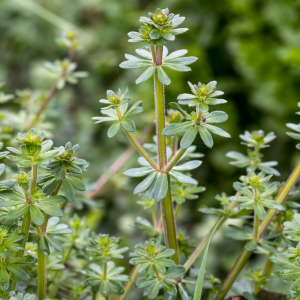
[251,47]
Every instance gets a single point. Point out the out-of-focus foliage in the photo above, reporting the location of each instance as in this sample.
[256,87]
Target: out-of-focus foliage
[252,48]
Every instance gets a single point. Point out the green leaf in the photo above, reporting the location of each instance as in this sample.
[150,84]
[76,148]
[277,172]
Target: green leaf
[128,125]
[25,260]
[191,165]
[206,136]
[161,187]
[76,183]
[113,129]
[104,289]
[146,75]
[203,107]
[184,292]
[216,117]
[217,130]
[188,137]
[260,211]
[169,287]
[295,289]
[50,186]
[176,128]
[54,243]
[237,233]
[43,245]
[144,185]
[200,279]
[18,212]
[138,172]
[54,200]
[182,178]
[50,210]
[154,34]
[18,272]
[153,290]
[68,189]
[251,245]
[4,279]
[37,217]
[162,76]
[282,261]
[176,106]
[287,274]
[116,287]
[175,272]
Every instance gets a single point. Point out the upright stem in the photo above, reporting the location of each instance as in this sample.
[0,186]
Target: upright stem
[169,223]
[140,149]
[175,160]
[27,218]
[42,265]
[235,271]
[167,203]
[255,221]
[24,229]
[33,179]
[42,276]
[282,195]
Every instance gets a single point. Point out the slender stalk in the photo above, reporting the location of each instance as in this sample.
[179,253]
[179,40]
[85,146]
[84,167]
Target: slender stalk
[293,178]
[27,218]
[42,266]
[240,263]
[174,146]
[167,203]
[175,160]
[33,179]
[177,209]
[231,277]
[42,275]
[128,285]
[268,269]
[24,229]
[169,223]
[140,149]
[47,100]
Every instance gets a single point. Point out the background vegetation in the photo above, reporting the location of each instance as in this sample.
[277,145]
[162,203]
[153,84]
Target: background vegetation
[252,48]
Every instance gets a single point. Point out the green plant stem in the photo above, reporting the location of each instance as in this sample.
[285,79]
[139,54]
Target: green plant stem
[24,229]
[42,275]
[204,242]
[289,184]
[34,174]
[175,160]
[167,203]
[268,269]
[26,219]
[140,149]
[42,266]
[169,223]
[128,285]
[177,209]
[240,263]
[208,295]
[160,112]
[255,227]
[231,277]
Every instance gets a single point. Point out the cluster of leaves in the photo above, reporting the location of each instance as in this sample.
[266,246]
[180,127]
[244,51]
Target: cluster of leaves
[158,270]
[107,278]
